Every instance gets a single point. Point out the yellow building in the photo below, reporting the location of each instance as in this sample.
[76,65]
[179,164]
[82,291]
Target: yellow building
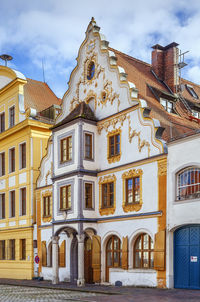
[26,107]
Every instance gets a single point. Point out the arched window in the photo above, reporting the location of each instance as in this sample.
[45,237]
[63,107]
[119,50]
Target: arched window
[143,252]
[188,183]
[113,254]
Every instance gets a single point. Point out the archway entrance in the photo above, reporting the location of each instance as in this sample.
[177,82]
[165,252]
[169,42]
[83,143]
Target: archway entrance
[88,260]
[186,257]
[113,254]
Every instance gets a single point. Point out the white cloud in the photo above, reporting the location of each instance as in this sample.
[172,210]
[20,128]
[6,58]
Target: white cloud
[53,30]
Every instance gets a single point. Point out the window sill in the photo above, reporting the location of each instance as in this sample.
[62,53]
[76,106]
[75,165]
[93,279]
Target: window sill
[64,162]
[182,201]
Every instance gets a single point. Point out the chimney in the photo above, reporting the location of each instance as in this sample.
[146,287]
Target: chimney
[165,64]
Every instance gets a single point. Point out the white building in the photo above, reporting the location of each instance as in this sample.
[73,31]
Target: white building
[183,224]
[106,168]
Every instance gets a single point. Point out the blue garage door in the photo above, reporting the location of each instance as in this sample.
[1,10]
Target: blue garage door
[186,257]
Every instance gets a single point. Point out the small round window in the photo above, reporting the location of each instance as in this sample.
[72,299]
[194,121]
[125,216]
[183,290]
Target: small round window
[90,70]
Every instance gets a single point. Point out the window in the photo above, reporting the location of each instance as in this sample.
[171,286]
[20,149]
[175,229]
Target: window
[188,184]
[192,91]
[2,206]
[46,206]
[2,249]
[90,70]
[133,190]
[66,149]
[108,195]
[2,122]
[2,163]
[12,204]
[11,246]
[12,116]
[12,160]
[88,196]
[113,254]
[196,114]
[22,249]
[65,197]
[168,105]
[114,147]
[88,146]
[23,201]
[143,252]
[22,156]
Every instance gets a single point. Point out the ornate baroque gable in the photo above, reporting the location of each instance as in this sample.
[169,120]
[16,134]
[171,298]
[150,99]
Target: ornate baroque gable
[98,81]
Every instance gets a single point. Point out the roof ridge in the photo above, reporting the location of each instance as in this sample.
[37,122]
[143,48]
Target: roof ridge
[190,82]
[130,57]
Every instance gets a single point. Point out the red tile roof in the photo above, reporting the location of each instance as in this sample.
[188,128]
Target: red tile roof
[38,95]
[140,73]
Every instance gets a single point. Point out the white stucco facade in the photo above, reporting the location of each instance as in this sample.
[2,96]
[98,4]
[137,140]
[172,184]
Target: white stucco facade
[184,212]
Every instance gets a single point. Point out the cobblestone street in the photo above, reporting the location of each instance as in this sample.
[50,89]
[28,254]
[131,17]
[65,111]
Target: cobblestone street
[10,293]
[26,291]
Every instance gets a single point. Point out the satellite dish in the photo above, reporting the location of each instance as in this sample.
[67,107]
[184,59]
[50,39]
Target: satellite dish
[6,58]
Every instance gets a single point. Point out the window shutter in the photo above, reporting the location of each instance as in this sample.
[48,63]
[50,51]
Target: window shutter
[44,254]
[159,251]
[62,254]
[96,258]
[125,252]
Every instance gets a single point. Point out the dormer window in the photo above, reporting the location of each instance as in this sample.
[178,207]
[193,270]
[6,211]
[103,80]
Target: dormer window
[168,105]
[192,91]
[196,114]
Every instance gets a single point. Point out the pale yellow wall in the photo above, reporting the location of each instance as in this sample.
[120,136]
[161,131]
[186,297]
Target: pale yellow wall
[36,135]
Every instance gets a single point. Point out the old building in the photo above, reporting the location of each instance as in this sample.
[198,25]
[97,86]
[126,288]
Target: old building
[107,181]
[24,132]
[183,228]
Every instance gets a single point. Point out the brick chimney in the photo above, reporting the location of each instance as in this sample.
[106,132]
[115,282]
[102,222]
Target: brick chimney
[165,64]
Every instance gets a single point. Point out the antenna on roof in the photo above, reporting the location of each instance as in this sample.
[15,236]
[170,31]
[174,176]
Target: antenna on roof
[181,65]
[43,71]
[6,58]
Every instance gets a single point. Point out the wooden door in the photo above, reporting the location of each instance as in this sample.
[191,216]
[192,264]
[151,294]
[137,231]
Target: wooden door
[88,261]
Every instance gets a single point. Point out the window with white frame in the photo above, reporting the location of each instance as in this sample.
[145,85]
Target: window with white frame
[12,203]
[12,116]
[23,201]
[22,154]
[2,206]
[188,183]
[196,114]
[2,122]
[12,160]
[168,105]
[2,163]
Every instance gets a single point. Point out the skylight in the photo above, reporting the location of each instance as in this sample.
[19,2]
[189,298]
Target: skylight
[192,91]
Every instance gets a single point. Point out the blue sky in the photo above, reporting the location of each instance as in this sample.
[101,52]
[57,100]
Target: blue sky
[53,30]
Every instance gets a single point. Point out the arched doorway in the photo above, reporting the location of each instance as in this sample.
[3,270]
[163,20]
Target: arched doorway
[113,254]
[88,260]
[186,257]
